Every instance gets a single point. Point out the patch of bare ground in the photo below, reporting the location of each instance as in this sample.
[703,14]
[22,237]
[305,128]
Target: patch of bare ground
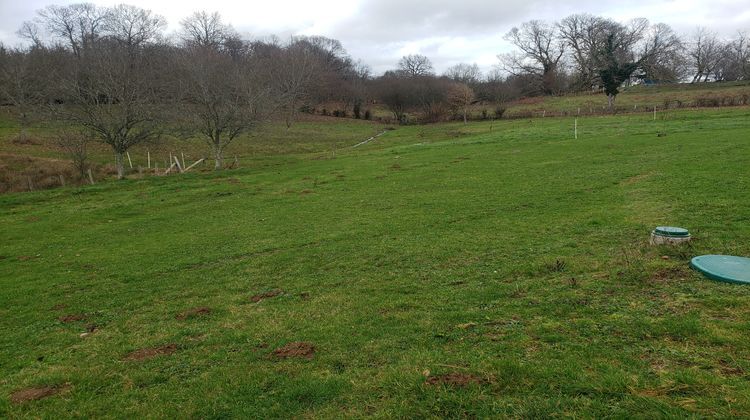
[72,318]
[730,368]
[636,179]
[150,353]
[671,273]
[193,313]
[454,379]
[266,295]
[297,349]
[33,394]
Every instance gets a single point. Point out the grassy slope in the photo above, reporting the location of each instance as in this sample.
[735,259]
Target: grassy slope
[311,134]
[634,99]
[637,98]
[433,248]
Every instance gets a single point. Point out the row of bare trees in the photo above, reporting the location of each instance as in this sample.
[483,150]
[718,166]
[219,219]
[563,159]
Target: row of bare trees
[582,52]
[112,73]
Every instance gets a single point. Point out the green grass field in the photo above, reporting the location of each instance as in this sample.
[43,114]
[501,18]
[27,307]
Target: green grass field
[441,270]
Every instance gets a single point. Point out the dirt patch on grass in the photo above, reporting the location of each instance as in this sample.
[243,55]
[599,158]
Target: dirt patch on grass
[728,368]
[266,295]
[671,273]
[72,318]
[454,379]
[193,313]
[33,394]
[25,257]
[152,352]
[306,192]
[636,179]
[296,349]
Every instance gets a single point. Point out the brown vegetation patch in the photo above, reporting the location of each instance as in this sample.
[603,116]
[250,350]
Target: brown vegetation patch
[25,257]
[24,173]
[32,394]
[728,368]
[306,192]
[72,318]
[455,379]
[194,312]
[269,294]
[671,273]
[296,349]
[152,352]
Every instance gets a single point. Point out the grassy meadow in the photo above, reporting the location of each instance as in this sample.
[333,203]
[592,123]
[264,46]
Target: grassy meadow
[483,270]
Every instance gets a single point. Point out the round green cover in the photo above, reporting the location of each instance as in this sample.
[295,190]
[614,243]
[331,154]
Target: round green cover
[723,268]
[671,231]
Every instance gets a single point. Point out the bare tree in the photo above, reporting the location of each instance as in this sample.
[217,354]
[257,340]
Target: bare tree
[223,94]
[464,73]
[79,25]
[734,61]
[584,36]
[705,54]
[541,53]
[661,53]
[295,71]
[75,145]
[460,98]
[205,30]
[31,32]
[415,65]
[132,26]
[23,78]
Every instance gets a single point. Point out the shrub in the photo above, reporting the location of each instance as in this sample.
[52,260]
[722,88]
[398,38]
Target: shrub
[357,110]
[499,112]
[368,114]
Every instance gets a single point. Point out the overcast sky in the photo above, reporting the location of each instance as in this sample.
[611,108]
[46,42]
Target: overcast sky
[381,31]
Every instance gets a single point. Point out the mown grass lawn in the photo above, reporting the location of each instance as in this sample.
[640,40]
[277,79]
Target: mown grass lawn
[442,270]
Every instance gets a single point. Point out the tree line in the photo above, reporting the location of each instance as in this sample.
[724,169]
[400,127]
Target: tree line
[113,75]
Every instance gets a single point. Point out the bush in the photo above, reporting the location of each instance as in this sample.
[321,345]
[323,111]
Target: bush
[484,114]
[357,110]
[368,114]
[499,112]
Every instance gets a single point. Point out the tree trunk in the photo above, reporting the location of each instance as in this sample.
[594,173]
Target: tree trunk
[611,102]
[120,163]
[218,157]
[464,116]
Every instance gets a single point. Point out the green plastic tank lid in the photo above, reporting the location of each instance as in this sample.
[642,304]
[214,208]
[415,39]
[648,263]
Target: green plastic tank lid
[671,231]
[723,268]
